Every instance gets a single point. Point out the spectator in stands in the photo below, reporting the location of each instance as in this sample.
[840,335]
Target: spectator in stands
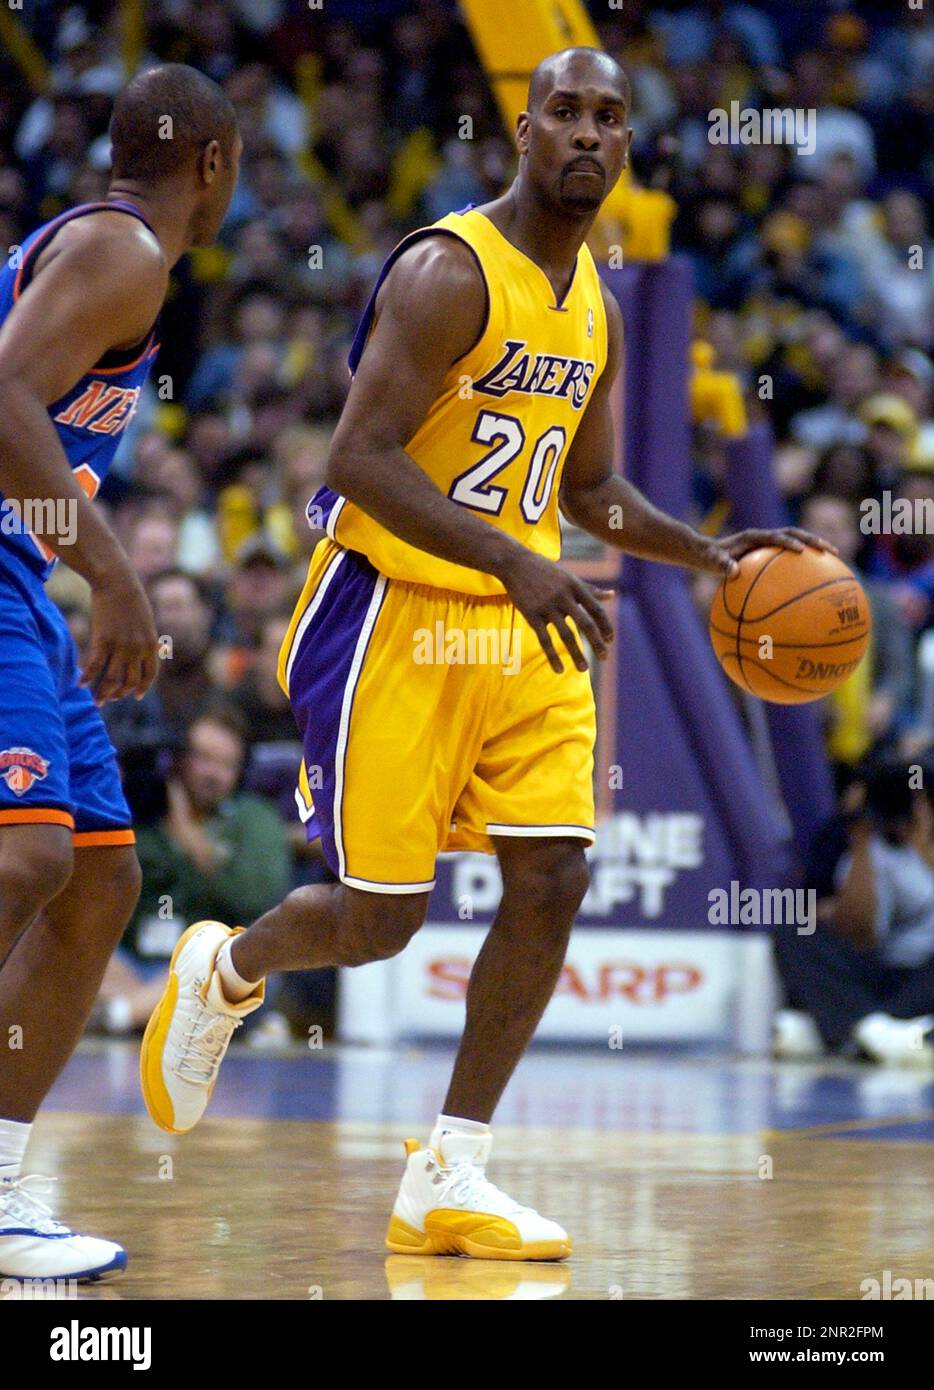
[216,852]
[900,270]
[910,375]
[184,617]
[275,746]
[853,377]
[724,252]
[839,130]
[845,470]
[152,543]
[891,432]
[258,320]
[172,476]
[301,456]
[863,981]
[265,707]
[261,584]
[906,561]
[209,439]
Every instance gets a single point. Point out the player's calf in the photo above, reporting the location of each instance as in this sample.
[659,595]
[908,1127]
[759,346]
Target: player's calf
[519,963]
[212,986]
[320,925]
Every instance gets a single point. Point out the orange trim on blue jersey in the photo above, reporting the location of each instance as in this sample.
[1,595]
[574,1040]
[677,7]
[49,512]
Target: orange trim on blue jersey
[41,241]
[39,815]
[90,839]
[124,366]
[50,231]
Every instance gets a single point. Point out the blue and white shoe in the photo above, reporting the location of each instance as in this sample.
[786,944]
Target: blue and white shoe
[35,1246]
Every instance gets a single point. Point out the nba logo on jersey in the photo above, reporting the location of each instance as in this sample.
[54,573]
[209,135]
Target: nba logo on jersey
[20,767]
[590,323]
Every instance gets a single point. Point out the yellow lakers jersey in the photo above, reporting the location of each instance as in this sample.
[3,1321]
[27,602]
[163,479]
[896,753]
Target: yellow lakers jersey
[497,436]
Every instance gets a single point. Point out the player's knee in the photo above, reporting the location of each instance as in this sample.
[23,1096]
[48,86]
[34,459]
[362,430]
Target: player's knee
[120,889]
[102,903]
[573,882]
[383,926]
[36,863]
[552,886]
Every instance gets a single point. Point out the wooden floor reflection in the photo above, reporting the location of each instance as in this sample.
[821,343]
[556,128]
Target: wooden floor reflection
[262,1209]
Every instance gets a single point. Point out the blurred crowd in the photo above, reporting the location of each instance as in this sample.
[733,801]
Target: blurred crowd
[815,278]
[815,270]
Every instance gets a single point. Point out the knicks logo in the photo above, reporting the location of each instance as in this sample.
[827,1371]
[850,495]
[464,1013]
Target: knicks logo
[20,768]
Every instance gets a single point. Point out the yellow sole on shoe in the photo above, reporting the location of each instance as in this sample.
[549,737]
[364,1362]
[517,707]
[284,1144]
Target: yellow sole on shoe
[403,1239]
[155,1097]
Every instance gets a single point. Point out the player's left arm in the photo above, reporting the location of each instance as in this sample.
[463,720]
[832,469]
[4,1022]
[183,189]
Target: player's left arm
[608,506]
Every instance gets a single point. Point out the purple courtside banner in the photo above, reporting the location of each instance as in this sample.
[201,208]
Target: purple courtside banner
[797,745]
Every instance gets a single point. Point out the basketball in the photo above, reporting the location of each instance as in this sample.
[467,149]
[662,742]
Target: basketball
[790,626]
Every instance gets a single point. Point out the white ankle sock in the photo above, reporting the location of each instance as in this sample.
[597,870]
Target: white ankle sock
[456,1139]
[14,1136]
[455,1125]
[235,987]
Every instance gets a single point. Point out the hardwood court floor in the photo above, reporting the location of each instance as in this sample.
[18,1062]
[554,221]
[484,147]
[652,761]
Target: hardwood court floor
[657,1178]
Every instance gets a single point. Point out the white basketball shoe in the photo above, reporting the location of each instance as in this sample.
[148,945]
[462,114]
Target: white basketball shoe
[904,1042]
[447,1206]
[190,1030]
[35,1246]
[795,1036]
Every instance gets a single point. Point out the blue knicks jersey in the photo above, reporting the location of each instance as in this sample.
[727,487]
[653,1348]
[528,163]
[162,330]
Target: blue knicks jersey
[91,417]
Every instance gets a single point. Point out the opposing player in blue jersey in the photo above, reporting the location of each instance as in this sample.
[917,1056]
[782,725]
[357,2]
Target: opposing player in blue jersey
[78,308]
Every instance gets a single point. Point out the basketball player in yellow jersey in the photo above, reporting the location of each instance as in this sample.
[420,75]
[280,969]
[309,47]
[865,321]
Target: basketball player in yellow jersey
[434,661]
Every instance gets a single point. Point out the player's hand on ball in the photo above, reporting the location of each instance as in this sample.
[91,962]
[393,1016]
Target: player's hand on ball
[123,651]
[721,555]
[545,594]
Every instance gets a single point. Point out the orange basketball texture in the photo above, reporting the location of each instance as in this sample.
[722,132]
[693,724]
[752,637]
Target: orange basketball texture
[811,608]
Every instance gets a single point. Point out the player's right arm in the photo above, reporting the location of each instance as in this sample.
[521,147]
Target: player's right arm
[97,292]
[430,312]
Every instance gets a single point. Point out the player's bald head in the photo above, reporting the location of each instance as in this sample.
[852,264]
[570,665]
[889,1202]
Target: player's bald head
[163,117]
[570,68]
